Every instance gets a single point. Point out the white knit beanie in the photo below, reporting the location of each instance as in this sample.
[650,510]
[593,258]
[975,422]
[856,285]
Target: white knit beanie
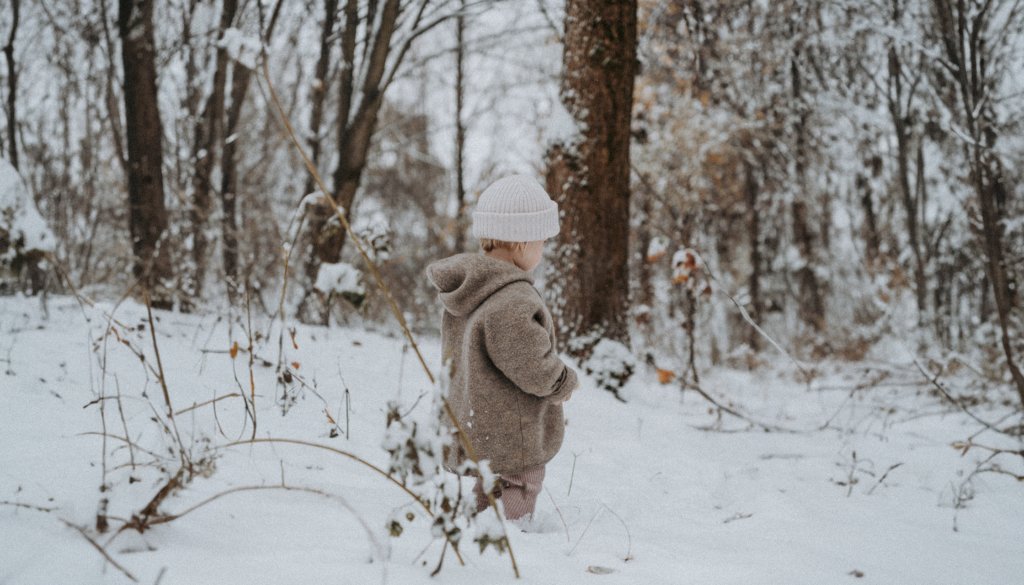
[515,209]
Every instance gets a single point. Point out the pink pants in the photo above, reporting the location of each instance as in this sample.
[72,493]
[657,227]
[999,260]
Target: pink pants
[518,492]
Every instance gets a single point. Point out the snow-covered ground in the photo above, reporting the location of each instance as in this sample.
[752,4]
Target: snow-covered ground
[638,494]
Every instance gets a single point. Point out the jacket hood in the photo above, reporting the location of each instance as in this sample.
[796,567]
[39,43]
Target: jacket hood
[463,281]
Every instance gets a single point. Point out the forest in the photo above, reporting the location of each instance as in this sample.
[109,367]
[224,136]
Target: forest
[787,274]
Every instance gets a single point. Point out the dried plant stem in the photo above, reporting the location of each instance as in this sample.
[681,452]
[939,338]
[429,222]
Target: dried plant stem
[163,383]
[375,272]
[934,380]
[423,503]
[211,401]
[252,377]
[101,550]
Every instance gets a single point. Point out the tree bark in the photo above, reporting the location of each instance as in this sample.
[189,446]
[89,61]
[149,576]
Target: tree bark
[899,114]
[460,130]
[147,214]
[208,134]
[12,86]
[319,92]
[752,190]
[590,177]
[811,303]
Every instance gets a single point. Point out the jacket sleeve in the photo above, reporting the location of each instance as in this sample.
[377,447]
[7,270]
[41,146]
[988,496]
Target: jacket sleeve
[518,344]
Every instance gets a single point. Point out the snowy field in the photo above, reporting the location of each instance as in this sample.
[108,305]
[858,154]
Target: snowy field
[868,491]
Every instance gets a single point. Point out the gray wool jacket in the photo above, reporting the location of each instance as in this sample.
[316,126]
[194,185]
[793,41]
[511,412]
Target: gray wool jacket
[507,381]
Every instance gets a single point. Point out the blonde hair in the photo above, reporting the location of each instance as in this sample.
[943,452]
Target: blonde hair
[489,244]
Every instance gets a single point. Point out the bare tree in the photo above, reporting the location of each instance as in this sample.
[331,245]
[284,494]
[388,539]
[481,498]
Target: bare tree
[589,178]
[147,214]
[972,37]
[367,70]
[209,132]
[12,85]
[460,129]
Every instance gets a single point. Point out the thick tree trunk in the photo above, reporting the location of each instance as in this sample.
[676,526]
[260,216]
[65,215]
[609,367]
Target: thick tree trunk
[147,215]
[590,179]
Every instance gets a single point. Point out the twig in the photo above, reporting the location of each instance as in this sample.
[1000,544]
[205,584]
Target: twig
[101,550]
[560,516]
[26,506]
[723,408]
[423,503]
[572,474]
[884,475]
[163,382]
[629,537]
[585,530]
[252,377]
[356,458]
[945,394]
[124,423]
[204,403]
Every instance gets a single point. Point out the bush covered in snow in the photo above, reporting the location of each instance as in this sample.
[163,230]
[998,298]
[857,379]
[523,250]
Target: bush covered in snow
[24,236]
[611,364]
[341,279]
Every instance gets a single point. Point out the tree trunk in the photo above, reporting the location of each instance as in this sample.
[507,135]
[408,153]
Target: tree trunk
[208,134]
[590,178]
[899,120]
[147,215]
[754,225]
[460,130]
[240,78]
[319,92]
[810,299]
[12,86]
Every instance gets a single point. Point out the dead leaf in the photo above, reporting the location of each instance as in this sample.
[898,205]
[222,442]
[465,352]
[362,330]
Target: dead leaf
[665,376]
[234,350]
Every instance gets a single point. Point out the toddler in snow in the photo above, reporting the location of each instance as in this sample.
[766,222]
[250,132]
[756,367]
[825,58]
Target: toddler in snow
[507,381]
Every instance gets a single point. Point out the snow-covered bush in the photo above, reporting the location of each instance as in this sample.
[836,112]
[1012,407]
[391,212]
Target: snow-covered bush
[611,364]
[341,279]
[417,453]
[24,236]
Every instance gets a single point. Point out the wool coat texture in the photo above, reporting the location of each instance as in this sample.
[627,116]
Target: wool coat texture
[507,382]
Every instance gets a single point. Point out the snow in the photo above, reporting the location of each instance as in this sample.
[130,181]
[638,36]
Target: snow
[18,213]
[561,127]
[339,278]
[637,494]
[241,47]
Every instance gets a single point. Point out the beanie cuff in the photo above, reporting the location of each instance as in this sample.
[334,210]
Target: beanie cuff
[516,227]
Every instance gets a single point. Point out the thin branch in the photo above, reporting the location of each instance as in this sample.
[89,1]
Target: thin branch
[101,550]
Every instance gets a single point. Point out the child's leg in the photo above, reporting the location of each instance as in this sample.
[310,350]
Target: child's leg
[519,491]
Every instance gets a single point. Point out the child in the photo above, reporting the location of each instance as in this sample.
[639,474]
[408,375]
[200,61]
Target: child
[507,381]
